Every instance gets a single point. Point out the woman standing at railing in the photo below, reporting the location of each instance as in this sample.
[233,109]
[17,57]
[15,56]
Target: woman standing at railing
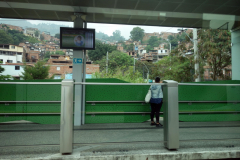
[156,101]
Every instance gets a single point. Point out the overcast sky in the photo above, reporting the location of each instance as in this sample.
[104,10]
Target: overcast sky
[110,28]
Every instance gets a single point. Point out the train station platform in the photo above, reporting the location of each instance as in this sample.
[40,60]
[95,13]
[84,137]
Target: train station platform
[131,141]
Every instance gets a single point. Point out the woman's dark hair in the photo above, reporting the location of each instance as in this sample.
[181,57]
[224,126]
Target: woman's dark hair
[157,79]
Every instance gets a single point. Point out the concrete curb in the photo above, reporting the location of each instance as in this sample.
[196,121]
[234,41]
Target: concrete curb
[162,156]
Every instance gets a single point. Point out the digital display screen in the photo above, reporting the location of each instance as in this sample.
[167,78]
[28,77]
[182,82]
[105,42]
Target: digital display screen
[77,38]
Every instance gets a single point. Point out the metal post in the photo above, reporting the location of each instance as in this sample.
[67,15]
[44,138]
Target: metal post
[235,38]
[134,63]
[196,57]
[84,80]
[77,76]
[107,63]
[170,45]
[170,114]
[66,124]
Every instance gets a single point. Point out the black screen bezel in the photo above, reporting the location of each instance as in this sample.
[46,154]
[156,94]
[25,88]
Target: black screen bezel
[78,29]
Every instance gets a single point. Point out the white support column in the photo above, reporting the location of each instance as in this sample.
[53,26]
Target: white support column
[196,56]
[170,114]
[235,55]
[77,76]
[84,80]
[66,124]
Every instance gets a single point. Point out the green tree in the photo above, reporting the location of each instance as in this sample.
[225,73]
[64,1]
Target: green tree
[17,36]
[32,39]
[148,48]
[38,71]
[41,37]
[57,35]
[153,41]
[137,34]
[129,47]
[116,60]
[214,48]
[3,77]
[143,67]
[36,33]
[177,68]
[60,53]
[100,50]
[5,38]
[47,56]
[129,75]
[170,37]
[117,36]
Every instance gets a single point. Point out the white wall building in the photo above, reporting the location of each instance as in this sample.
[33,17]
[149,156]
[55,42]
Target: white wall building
[11,54]
[161,51]
[13,70]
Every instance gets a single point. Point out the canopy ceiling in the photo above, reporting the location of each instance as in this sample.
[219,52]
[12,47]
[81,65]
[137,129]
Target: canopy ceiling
[224,14]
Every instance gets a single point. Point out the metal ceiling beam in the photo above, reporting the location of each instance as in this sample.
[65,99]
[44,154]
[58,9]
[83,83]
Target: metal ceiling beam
[9,5]
[235,10]
[94,13]
[115,5]
[34,11]
[54,11]
[143,14]
[179,5]
[63,8]
[194,24]
[134,9]
[154,10]
[200,5]
[221,6]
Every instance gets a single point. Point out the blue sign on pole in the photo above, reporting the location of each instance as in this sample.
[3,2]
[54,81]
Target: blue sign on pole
[77,61]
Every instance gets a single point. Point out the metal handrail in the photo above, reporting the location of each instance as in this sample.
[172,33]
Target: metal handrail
[30,82]
[118,101]
[124,84]
[99,113]
[30,101]
[178,101]
[208,101]
[28,113]
[190,112]
[202,84]
[115,101]
[89,83]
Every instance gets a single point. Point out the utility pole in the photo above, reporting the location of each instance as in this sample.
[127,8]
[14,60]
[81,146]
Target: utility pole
[134,63]
[196,57]
[107,63]
[170,45]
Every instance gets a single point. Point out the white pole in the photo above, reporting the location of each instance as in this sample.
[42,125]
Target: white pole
[196,57]
[107,63]
[134,63]
[170,45]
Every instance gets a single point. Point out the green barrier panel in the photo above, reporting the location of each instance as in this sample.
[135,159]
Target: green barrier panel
[209,117]
[116,93]
[210,93]
[33,92]
[118,107]
[119,118]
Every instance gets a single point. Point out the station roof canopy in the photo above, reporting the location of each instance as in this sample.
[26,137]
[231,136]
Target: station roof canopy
[224,14]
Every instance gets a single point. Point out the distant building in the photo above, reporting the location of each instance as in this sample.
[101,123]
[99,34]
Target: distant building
[11,53]
[31,32]
[47,36]
[32,56]
[59,70]
[165,35]
[11,27]
[14,69]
